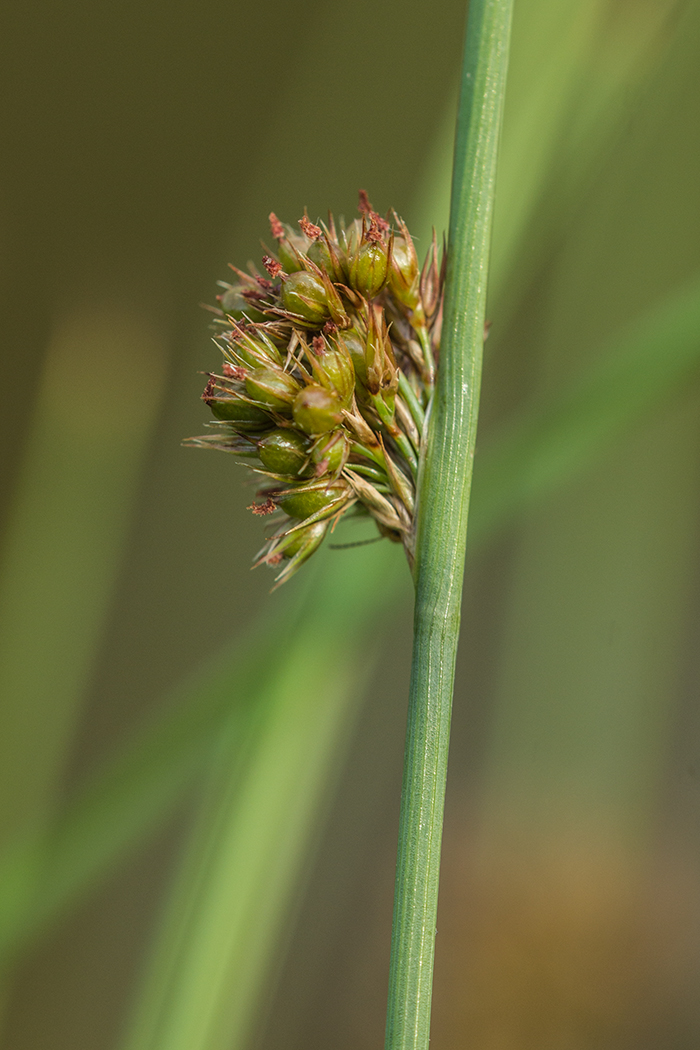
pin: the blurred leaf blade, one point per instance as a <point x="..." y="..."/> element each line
<point x="45" y="868"/>
<point x="548" y="443"/>
<point x="255" y="828"/>
<point x="578" y="73"/>
<point x="93" y="414"/>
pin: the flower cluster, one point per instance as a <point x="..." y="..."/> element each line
<point x="328" y="368"/>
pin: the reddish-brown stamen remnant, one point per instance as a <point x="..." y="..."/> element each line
<point x="312" y="232"/>
<point x="268" y="507"/>
<point x="364" y="206"/>
<point x="373" y="234"/>
<point x="377" y="225"/>
<point x="276" y="227"/>
<point x="234" y="371"/>
<point x="272" y="267"/>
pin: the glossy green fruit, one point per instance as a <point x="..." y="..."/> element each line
<point x="354" y="344"/>
<point x="336" y="373"/>
<point x="317" y="410"/>
<point x="305" y="541"/>
<point x="274" y="389"/>
<point x="235" y="305"/>
<point x="368" y="269"/>
<point x="302" y="503"/>
<point x="289" y="248"/>
<point x="250" y="417"/>
<point x="331" y="451"/>
<point x="404" y="273"/>
<point x="303" y="294"/>
<point x="255" y="350"/>
<point x="285" y="452"/>
<point x="327" y="259"/>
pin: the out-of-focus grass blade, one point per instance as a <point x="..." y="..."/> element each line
<point x="223" y="919"/>
<point x="90" y="419"/>
<point x="538" y="451"/>
<point x="44" y="869"/>
<point x="577" y="72"/>
<point x="548" y="443"/>
<point x="551" y="59"/>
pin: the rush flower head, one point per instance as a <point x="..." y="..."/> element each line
<point x="328" y="369"/>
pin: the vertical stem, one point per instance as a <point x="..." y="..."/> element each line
<point x="442" y="525"/>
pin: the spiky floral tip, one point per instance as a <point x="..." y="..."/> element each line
<point x="328" y="368"/>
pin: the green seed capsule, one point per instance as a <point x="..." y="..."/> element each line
<point x="354" y="344"/>
<point x="243" y="354"/>
<point x="290" y="247"/>
<point x="284" y="452"/>
<point x="404" y="274"/>
<point x="336" y="373"/>
<point x="317" y="410"/>
<point x="248" y="417"/>
<point x="235" y="305"/>
<point x="350" y="238"/>
<point x="328" y="259"/>
<point x="305" y="540"/>
<point x="273" y="389"/>
<point x="304" y="294"/>
<point x="369" y="268"/>
<point x="330" y="452"/>
<point x="255" y="350"/>
<point x="302" y="503"/>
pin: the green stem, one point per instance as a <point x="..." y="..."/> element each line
<point x="405" y="448"/>
<point x="426" y="347"/>
<point x="442" y="526"/>
<point x="414" y="405"/>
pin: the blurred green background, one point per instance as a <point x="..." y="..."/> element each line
<point x="227" y="882"/>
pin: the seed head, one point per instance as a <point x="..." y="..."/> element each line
<point x="310" y="393"/>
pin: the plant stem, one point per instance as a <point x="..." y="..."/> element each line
<point x="442" y="525"/>
<point x="414" y="405"/>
